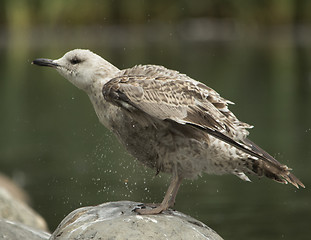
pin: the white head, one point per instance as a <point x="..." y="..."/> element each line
<point x="81" y="67"/>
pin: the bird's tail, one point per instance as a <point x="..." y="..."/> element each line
<point x="262" y="163"/>
<point x="268" y="166"/>
<point x="277" y="172"/>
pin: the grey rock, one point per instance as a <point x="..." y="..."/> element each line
<point x="17" y="231"/>
<point x="117" y="220"/>
<point x="13" y="188"/>
<point x="17" y="211"/>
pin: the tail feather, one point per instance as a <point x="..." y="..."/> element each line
<point x="277" y="172"/>
<point x="291" y="178"/>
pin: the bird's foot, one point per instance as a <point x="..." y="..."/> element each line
<point x="150" y="208"/>
<point x="168" y="201"/>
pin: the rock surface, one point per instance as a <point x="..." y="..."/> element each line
<point x="16" y="211"/>
<point x="15" y="191"/>
<point x="116" y="220"/>
<point x="16" y="231"/>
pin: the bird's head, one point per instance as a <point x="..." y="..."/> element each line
<point x="81" y="67"/>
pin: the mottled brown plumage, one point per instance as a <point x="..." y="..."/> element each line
<point x="170" y="96"/>
<point x="169" y="121"/>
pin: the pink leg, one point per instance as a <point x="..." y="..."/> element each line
<point x="169" y="198"/>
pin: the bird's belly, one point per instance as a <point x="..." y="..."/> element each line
<point x="166" y="152"/>
<point x="190" y="158"/>
<point x="139" y="141"/>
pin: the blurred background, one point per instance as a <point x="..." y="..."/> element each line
<point x="255" y="53"/>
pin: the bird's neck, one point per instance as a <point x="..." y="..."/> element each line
<point x="105" y="111"/>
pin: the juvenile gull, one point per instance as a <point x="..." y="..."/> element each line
<point x="168" y="121"/>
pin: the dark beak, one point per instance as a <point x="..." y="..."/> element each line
<point x="45" y="62"/>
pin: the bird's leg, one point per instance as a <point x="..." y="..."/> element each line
<point x="175" y="190"/>
<point x="169" y="198"/>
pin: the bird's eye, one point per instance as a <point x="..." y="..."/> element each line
<point x="75" y="60"/>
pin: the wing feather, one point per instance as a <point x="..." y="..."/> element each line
<point x="176" y="97"/>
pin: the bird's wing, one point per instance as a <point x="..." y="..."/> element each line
<point x="174" y="96"/>
<point x="168" y="95"/>
<point x="184" y="102"/>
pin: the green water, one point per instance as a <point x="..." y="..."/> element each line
<point x="52" y="143"/>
